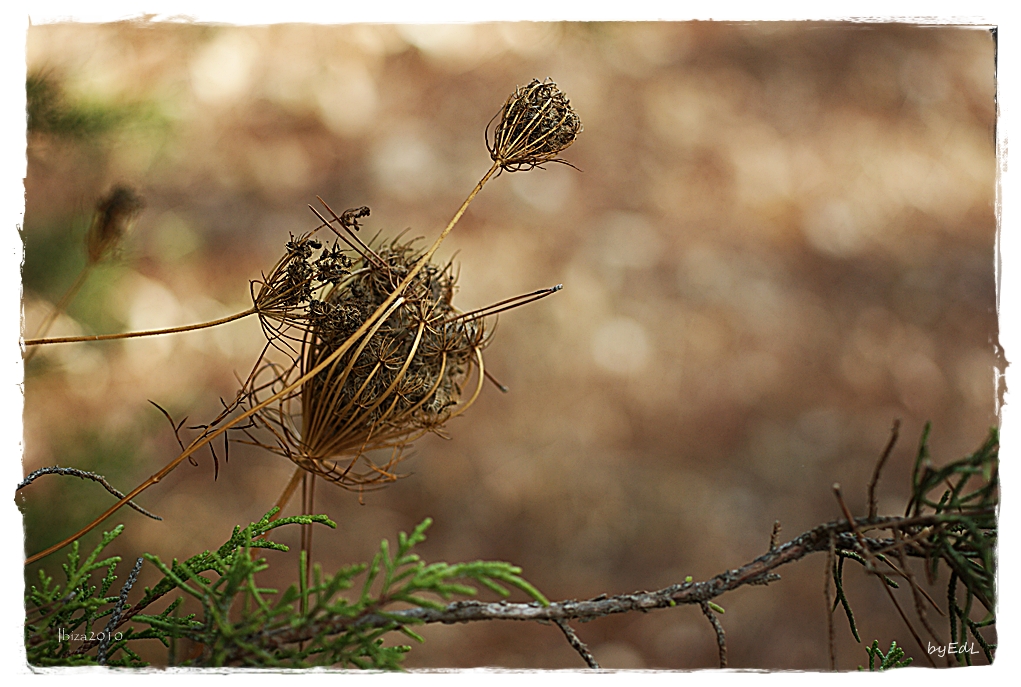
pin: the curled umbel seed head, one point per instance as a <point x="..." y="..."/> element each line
<point x="114" y="214"/>
<point x="533" y="127"/>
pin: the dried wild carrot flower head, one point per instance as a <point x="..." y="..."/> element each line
<point x="284" y="299"/>
<point x="110" y="222"/>
<point x="535" y="125"/>
<point x="403" y="379"/>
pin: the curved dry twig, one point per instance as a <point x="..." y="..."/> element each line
<point x="74" y="472"/>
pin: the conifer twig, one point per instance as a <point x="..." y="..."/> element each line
<point x="577" y="644"/>
<point x="873" y="568"/>
<point x="759" y="571"/>
<point x="75" y="472"/>
<point x="721" y="637"/>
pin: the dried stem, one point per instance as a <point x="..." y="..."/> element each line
<point x="113" y="216"/>
<point x="148" y="332"/>
<point x="59" y="308"/>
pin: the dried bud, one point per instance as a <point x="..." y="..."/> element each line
<point x="535" y="125"/>
<point x="113" y="216"/>
<point x="349" y="218"/>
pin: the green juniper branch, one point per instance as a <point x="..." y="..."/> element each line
<point x="242" y="624"/>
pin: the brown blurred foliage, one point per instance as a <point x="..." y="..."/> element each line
<point x="781" y="239"/>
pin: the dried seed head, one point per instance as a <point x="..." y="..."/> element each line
<point x="111" y="221"/>
<point x="535" y="125"/>
<point x="400" y="380"/>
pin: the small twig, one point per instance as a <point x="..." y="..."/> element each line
<point x="827" y="578"/>
<point x="775" y="536"/>
<point x="875" y="569"/>
<point x="347" y="222"/>
<point x="721" y="637"/>
<point x="57" y="470"/>
<point x="577" y="644"/>
<point x="117" y="610"/>
<point x="894" y="433"/>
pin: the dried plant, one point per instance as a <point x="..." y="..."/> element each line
<point x="382" y="359"/>
<point x="403" y="380"/>
<point x="535" y="125"/>
<point x="111" y="220"/>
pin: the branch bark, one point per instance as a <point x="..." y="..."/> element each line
<point x="845" y="535"/>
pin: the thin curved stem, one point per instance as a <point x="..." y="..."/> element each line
<point x="148" y="332"/>
<point x="201" y="441"/>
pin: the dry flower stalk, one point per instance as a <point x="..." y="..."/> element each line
<point x="535" y="125"/>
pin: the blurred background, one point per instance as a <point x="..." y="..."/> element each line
<point x="780" y="240"/>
